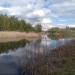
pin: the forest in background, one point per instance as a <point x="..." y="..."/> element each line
<point x="14" y="24"/>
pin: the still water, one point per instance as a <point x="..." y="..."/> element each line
<point x="14" y="55"/>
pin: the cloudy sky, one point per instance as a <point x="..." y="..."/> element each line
<point x="41" y="11"/>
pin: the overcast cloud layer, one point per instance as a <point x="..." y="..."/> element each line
<point x="41" y="11"/>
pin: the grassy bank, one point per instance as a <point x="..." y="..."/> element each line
<point x="57" y="33"/>
<point x="6" y="36"/>
<point x="59" y="61"/>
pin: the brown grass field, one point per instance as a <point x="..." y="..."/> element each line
<point x="6" y="36"/>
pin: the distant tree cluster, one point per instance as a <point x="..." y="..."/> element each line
<point x="14" y="24"/>
<point x="38" y="28"/>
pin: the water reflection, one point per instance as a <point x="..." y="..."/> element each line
<point x="22" y="52"/>
<point x="51" y="44"/>
<point x="4" y="47"/>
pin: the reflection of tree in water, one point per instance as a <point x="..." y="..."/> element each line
<point x="12" y="45"/>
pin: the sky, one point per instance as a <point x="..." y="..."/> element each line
<point x="55" y="12"/>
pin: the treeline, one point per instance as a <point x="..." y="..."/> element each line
<point x="57" y="33"/>
<point x="14" y="24"/>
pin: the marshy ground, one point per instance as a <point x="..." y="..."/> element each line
<point x="60" y="61"/>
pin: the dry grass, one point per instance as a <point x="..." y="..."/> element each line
<point x="6" y="36"/>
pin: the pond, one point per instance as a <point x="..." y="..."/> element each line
<point x="14" y="55"/>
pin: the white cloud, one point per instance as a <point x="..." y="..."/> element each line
<point x="46" y="20"/>
<point x="14" y="11"/>
<point x="64" y="9"/>
<point x="29" y="10"/>
<point x="40" y="10"/>
<point x="39" y="13"/>
<point x="71" y="25"/>
<point x="10" y="11"/>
